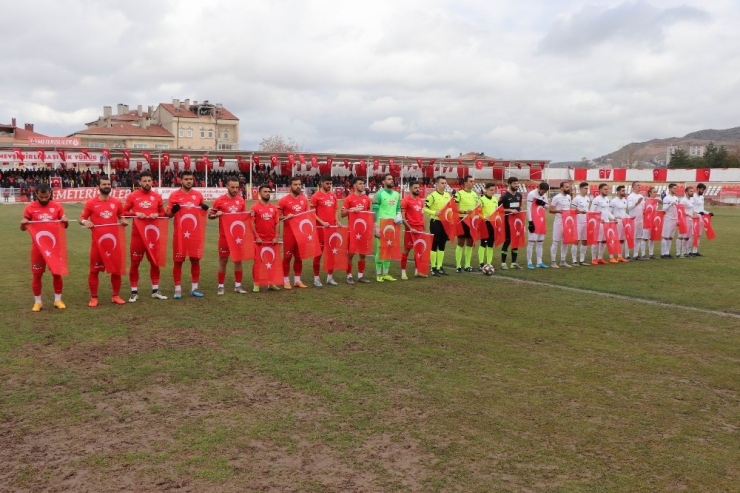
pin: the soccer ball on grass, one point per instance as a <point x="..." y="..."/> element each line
<point x="488" y="270"/>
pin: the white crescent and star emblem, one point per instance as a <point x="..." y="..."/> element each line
<point x="393" y="229"/>
<point x="337" y="235"/>
<point x="364" y="226"/>
<point x="111" y="237"/>
<point x="262" y="256"/>
<point x="473" y="222"/>
<point x="42" y="234"/>
<point x="569" y="218"/>
<point x="153" y="228"/>
<point x="300" y="228"/>
<point x="192" y="218"/>
<point x="244" y="230"/>
<point x="520" y="228"/>
<point x="423" y="244"/>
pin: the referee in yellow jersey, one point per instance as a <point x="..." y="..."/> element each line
<point x="467" y="200"/>
<point x="434" y="203"/>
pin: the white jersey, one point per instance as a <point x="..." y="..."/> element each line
<point x="561" y="203"/>
<point x="688" y="204"/>
<point x="636" y="210"/>
<point x="601" y="204"/>
<point x="698" y="201"/>
<point x="618" y="207"/>
<point x="582" y="204"/>
<point x="531" y="196"/>
<point x="669" y="206"/>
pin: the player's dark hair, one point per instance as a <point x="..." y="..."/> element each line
<point x="671" y="185"/>
<point x="563" y="183"/>
<point x="103" y="177"/>
<point x="701" y="186"/>
<point x="144" y="174"/>
<point x="358" y="179"/>
<point x="583" y="184"/>
<point x="294" y="179"/>
<point x="467" y="177"/>
<point x="440" y="177"/>
<point x="620" y="188"/>
<point x="602" y="185"/>
<point x="232" y="178"/>
<point x="186" y="172"/>
<point x="261" y="187"/>
<point x="512" y="179"/>
<point x="325" y="178"/>
<point x="544" y="186"/>
<point x="412" y="183"/>
<point x="633" y="183"/>
<point x="386" y="175"/>
<point x="489" y="185"/>
<point x="651" y="189"/>
<point x="43" y="188"/>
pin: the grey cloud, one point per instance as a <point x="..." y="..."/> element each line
<point x="635" y="22"/>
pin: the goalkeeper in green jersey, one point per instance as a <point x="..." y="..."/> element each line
<point x="386" y="205"/>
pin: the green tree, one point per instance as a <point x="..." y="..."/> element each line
<point x="716" y="157"/>
<point x="679" y="159"/>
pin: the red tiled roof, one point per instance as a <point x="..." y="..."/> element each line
<point x="221" y="113"/>
<point x="127" y="129"/>
<point x="131" y="116"/>
<point x="470" y="156"/>
<point x="22" y="133"/>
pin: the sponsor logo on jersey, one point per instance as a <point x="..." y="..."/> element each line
<point x="145" y="204"/>
<point x="106" y="214"/>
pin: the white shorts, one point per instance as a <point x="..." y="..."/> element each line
<point x="557" y="229"/>
<point x="582" y="230"/>
<point x="689" y="229"/>
<point x="669" y="228"/>
<point x="620" y="231"/>
<point x="602" y="238"/>
<point x="647" y="234"/>
<point x="638" y="228"/>
<point x="535" y="237"/>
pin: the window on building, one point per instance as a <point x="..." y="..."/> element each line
<point x="141" y="146"/>
<point x="97" y="145"/>
<point x="161" y="146"/>
<point x="226" y="147"/>
<point x="118" y="145"/>
<point x="210" y="133"/>
<point x="226" y="134"/>
<point x="202" y="133"/>
<point x="181" y="132"/>
<point x="190" y="132"/>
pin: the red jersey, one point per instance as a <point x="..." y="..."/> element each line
<point x="102" y="211"/>
<point x="226" y="205"/>
<point x="266" y="217"/>
<point x="325" y="204"/>
<point x="143" y="202"/>
<point x="191" y="199"/>
<point x="412" y="210"/>
<point x="52" y="211"/>
<point x="353" y="200"/>
<point x="291" y="205"/>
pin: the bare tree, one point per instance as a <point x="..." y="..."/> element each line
<point x="277" y="143"/>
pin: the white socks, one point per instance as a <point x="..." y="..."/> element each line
<point x="539" y="252"/>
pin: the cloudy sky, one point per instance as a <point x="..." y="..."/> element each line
<point x="551" y="79"/>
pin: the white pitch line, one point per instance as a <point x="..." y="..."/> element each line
<point x="662" y="304"/>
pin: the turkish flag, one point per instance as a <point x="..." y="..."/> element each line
<point x="593" y="225"/>
<point x="268" y="269"/>
<point x="191" y="232"/>
<point x="166" y="159"/>
<point x="708" y="229"/>
<point x="361" y="232"/>
<point x="422" y="247"/>
<point x="154" y="234"/>
<point x="516" y="227"/>
<point x="656" y="232"/>
<point x="186" y="161"/>
<point x="628" y="226"/>
<point x="19" y="154"/>
<point x="303" y="226"/>
<point x="62" y="155"/>
<point x="390" y="240"/>
<point x="611" y="233"/>
<point x="570" y="226"/>
<point x="111" y="242"/>
<point x="497" y="221"/>
<point x="127" y="156"/>
<point x="106" y="153"/>
<point x="683" y="227"/>
<point x="660" y="174"/>
<point x="450" y="217"/>
<point x="42" y="155"/>
<point x="697" y="231"/>
<point x="476" y="224"/>
<point x="147" y="156"/>
<point x="648" y="214"/>
<point x="703" y="174"/>
<point x="336" y="248"/>
<point x="50" y="238"/>
<point x="538" y="218"/>
<point x="237" y="228"/>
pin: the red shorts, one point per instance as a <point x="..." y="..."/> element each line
<point x="290" y="245"/>
<point x="96" y="260"/>
<point x="408" y="240"/>
<point x="38" y="262"/>
<point x="138" y="249"/>
<point x="223" y="247"/>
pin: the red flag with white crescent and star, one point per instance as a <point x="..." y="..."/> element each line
<point x="390" y="240"/>
<point x="111" y="242"/>
<point x="697" y="231"/>
<point x="628" y="226"/>
<point x="303" y="226"/>
<point x="593" y="227"/>
<point x="656" y="228"/>
<point x="237" y="228"/>
<point x="154" y="233"/>
<point x="450" y="217"/>
<point x="268" y="268"/>
<point x="538" y="218"/>
<point x="611" y="234"/>
<point x="361" y="232"/>
<point x="516" y="227"/>
<point x="648" y="214"/>
<point x="570" y="226"/>
<point x="683" y="226"/>
<point x="422" y="247"/>
<point x="50" y="238"/>
<point x="477" y="225"/>
<point x="708" y="229"/>
<point x="190" y="233"/>
<point x="336" y="247"/>
<point x="499" y="229"/>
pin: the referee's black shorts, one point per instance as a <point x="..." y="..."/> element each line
<point x="466" y="232"/>
<point x="440" y="235"/>
<point x="488" y="242"/>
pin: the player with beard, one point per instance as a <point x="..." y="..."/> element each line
<point x="292" y="203"/>
<point x="511" y="200"/>
<point x="228" y="203"/>
<point x="698" y="200"/>
<point x="560" y="202"/>
<point x="684" y="242"/>
<point x="43" y="209"/>
<point x="601" y="204"/>
<point x="647" y="231"/>
<point x="433" y="204"/>
<point x="143" y="203"/>
<point x="489" y="204"/>
<point x="324" y="202"/>
<point x="581" y="203"/>
<point x="618" y="208"/>
<point x="386" y="205"/>
<point x="536" y="241"/>
<point x="99" y="211"/>
<point x="266" y="218"/>
<point x="412" y="211"/>
<point x="636" y="206"/>
<point x="357" y="201"/>
<point x="670" y="221"/>
<point x="185" y="197"/>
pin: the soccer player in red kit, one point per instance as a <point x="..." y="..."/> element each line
<point x="185" y="197"/>
<point x="293" y="203"/>
<point x="43" y="209"/>
<point x="143" y="203"/>
<point x="325" y="203"/>
<point x="228" y="203"/>
<point x="355" y="202"/>
<point x="412" y="211"/>
<point x="99" y="211"/>
<point x="266" y="218"/>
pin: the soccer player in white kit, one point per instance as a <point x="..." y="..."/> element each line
<point x="636" y="206"/>
<point x="581" y="203"/>
<point x="618" y="208"/>
<point x="559" y="203"/>
<point x="670" y="201"/>
<point x="698" y="200"/>
<point x="539" y="197"/>
<point x="600" y="204"/>
<point x="684" y="242"/>
<point x="647" y="231"/>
